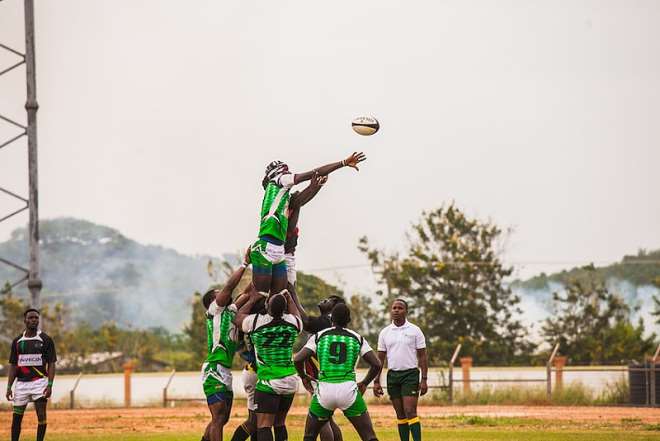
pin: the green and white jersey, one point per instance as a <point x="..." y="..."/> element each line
<point x="273" y="341"/>
<point x="338" y="351"/>
<point x="275" y="207"/>
<point x="219" y="332"/>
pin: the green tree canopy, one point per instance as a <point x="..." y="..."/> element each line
<point x="454" y="279"/>
<point x="593" y="325"/>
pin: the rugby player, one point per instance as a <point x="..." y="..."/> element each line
<point x="404" y="346"/>
<point x="221" y="340"/>
<point x="268" y="265"/>
<point x="32" y="364"/>
<point x="273" y="334"/>
<point x="338" y="350"/>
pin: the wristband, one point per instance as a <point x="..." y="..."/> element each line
<point x="244" y="265"/>
<point x="50" y="383"/>
<point x="425" y="378"/>
<point x="343" y="163"/>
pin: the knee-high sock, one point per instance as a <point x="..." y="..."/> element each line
<point x="41" y="430"/>
<point x="240" y="434"/>
<point x="280" y="433"/>
<point x="404" y="429"/>
<point x="264" y="434"/>
<point x="415" y="429"/>
<point x="16" y="421"/>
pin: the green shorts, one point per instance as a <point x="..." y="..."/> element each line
<point x="216" y="379"/>
<point x="403" y="383"/>
<point x="331" y="396"/>
<point x="268" y="258"/>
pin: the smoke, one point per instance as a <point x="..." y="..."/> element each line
<point x="103" y="276"/>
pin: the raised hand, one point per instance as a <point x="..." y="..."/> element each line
<point x="353" y="160"/>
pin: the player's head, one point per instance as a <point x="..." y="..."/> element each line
<point x="399" y="309"/>
<point x="31" y="319"/>
<point x="327" y="305"/>
<point x="272" y="170"/>
<point x="209" y="297"/>
<point x="341" y="315"/>
<point x="276" y="305"/>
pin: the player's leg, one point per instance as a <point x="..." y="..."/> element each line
<point x="394" y="391"/>
<point x="317" y="418"/>
<point x="248" y="429"/>
<point x="219" y="411"/>
<point x="279" y="277"/>
<point x="262" y="266"/>
<point x="357" y="414"/>
<point x="40" y="408"/>
<point x="267" y="405"/>
<point x="279" y="425"/>
<point x="409" y="397"/>
<point x="336" y="431"/>
<point x="364" y="427"/>
<point x="17" y="420"/>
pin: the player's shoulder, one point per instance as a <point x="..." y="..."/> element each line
<point x="45" y="337"/>
<point x="18" y="337"/>
<point x="292" y="319"/>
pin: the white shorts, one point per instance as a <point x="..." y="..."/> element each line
<point x="249" y="383"/>
<point x="290" y="260"/>
<point x="336" y="395"/>
<point x="283" y="386"/>
<point x="27" y="391"/>
<point x="269" y="251"/>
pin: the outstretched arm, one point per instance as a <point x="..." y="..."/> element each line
<point x="299" y="361"/>
<point x="378" y="389"/>
<point x="352" y="161"/>
<point x="301" y="310"/>
<point x="223" y="296"/>
<point x="299" y="199"/>
<point x="244" y="311"/>
<point x="374" y="370"/>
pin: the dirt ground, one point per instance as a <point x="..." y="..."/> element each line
<point x="194" y="418"/>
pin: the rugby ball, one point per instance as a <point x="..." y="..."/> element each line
<point x="365" y="125"/>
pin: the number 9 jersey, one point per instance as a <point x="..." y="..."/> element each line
<point x="338" y="351"/>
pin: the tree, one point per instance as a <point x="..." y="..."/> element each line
<point x="365" y="319"/>
<point x="11" y="319"/>
<point x="656" y="310"/>
<point x="311" y="290"/>
<point x="196" y="329"/>
<point x="454" y="279"/>
<point x="593" y="325"/>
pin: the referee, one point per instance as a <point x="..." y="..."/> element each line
<point x="404" y="346"/>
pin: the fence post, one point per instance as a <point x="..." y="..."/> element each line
<point x="128" y="370"/>
<point x="169" y="380"/>
<point x="654" y="398"/>
<point x="72" y="392"/>
<point x="559" y="363"/>
<point x="548" y="372"/>
<point x="451" y="373"/>
<point x="466" y="364"/>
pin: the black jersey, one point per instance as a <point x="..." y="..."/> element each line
<point x="31" y="356"/>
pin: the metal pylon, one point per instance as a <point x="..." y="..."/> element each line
<point x="31" y="274"/>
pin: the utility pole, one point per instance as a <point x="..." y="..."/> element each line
<point x="32" y="203"/>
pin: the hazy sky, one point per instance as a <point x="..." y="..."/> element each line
<point x="158" y="117"/>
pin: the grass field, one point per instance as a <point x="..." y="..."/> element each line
<point x="442" y="423"/>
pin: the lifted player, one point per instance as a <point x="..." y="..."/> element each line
<point x="216" y="371"/>
<point x="273" y="334"/>
<point x="338" y="350"/>
<point x="268" y="265"/>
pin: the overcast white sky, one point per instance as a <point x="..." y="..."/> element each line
<point x="158" y="117"/>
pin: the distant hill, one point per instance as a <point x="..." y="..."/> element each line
<point x="102" y="275"/>
<point x="638" y="270"/>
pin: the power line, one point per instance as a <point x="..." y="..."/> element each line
<point x="514" y="263"/>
